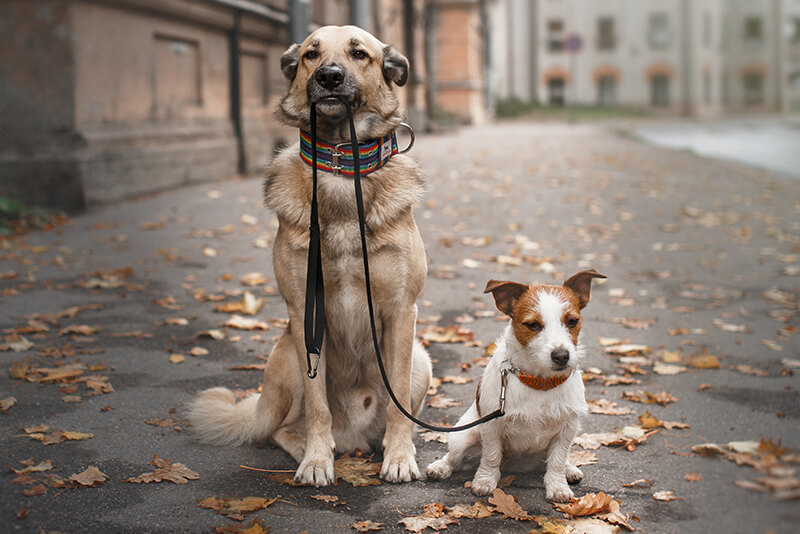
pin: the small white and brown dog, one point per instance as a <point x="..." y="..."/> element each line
<point x="537" y="358"/>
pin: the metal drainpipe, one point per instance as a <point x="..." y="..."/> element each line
<point x="235" y="88"/>
<point x="430" y="57"/>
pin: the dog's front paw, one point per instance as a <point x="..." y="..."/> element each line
<point x="574" y="474"/>
<point x="483" y="485"/>
<point x="439" y="470"/>
<point x="556" y="489"/>
<point x="317" y="471"/>
<point x="400" y="465"/>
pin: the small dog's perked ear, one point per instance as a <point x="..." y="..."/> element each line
<point x="505" y="294"/>
<point x="581" y="285"/>
<point x="289" y="61"/>
<point x="395" y="66"/>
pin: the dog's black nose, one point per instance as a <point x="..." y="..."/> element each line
<point x="330" y="76"/>
<point x="560" y="356"/>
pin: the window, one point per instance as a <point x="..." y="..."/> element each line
<point x="555" y="91"/>
<point x="605" y="33"/>
<point x="606" y="91"/>
<point x="555" y="35"/>
<point x="753" y="29"/>
<point x="176" y="73"/>
<point x="753" y="89"/>
<point x="658" y="30"/>
<point x="659" y="90"/>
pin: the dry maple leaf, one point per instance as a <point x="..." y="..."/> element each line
<point x="508" y="506"/>
<point x="589" y="504"/>
<point x="30" y="467"/>
<point x="256" y="526"/>
<point x="356" y="471"/>
<point x="693" y="477"/>
<point x="367" y="526"/>
<point x="648" y="420"/>
<point x="665" y="496"/>
<point x="579" y="458"/>
<point x="594" y="441"/>
<point x="91" y="476"/>
<point x="243" y="323"/>
<point x="615" y="516"/>
<point x="166" y="470"/>
<point x="236" y="508"/>
<point x="640" y="483"/>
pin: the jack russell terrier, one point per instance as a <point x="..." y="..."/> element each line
<point x="536" y="360"/>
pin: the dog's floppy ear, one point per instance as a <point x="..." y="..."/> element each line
<point x="505" y="294"/>
<point x="289" y="61"/>
<point x="395" y="66"/>
<point x="581" y="285"/>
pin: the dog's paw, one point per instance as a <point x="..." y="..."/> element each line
<point x="574" y="474"/>
<point x="556" y="489"/>
<point x="439" y="470"/>
<point x="399" y="466"/>
<point x="483" y="486"/>
<point x="315" y="471"/>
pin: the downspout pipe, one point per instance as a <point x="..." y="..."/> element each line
<point x="234" y="46"/>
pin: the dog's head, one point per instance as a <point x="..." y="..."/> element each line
<point x="347" y="61"/>
<point x="546" y="320"/>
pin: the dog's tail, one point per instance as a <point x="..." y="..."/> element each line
<point x="218" y="419"/>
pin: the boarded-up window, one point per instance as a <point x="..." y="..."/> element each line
<point x="254" y="79"/>
<point x="177" y="72"/>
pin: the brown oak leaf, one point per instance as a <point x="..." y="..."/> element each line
<point x="91" y="476"/>
<point x="166" y="470"/>
<point x="508" y="506"/>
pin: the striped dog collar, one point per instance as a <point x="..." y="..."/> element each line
<point x="338" y="158"/>
<point x="542" y="383"/>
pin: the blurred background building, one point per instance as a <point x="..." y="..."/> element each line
<point x="102" y="100"/>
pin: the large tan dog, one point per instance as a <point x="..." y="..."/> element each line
<point x="346" y="406"/>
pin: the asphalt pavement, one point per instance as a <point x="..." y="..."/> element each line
<point x="700" y="306"/>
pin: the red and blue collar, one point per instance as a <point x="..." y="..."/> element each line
<point x="338" y="158"/>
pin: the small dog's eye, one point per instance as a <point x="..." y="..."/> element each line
<point x="572" y="323"/>
<point x="311" y="54"/>
<point x="359" y="54"/>
<point x="534" y="326"/>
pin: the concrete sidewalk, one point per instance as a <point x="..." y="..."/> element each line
<point x="701" y="258"/>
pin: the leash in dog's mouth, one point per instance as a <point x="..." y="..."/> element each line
<point x="314" y="319"/>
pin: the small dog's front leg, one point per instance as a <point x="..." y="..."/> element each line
<point x="399" y="456"/>
<point x="555" y="478"/>
<point x="488" y="473"/>
<point x="317" y="465"/>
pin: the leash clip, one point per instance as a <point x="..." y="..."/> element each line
<point x="312" y="371"/>
<point x="336" y="154"/>
<point x="503" y="374"/>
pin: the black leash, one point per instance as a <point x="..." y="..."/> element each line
<point x="315" y="287"/>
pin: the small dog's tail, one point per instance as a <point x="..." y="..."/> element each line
<point x="218" y="419"/>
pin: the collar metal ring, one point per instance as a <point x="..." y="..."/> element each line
<point x="411" y="133"/>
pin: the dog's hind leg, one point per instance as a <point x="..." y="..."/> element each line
<point x="290" y="441"/>
<point x="460" y="446"/>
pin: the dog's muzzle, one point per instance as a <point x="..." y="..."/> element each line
<point x="326" y="87"/>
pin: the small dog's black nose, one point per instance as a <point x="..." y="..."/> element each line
<point x="560" y="356"/>
<point x="330" y="76"/>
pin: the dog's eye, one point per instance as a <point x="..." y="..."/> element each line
<point x="359" y="54"/>
<point x="311" y="54"/>
<point x="572" y="323"/>
<point x="534" y="326"/>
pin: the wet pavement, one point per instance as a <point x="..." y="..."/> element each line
<point x="701" y="257"/>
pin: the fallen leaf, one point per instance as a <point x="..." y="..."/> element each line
<point x="645" y="397"/>
<point x="7" y="403"/>
<point x="704" y="361"/>
<point x="615" y="516"/>
<point x="325" y="498"/>
<point x="166" y="470"/>
<point x="176" y="358"/>
<point x="356" y="471"/>
<point x="772" y="345"/>
<point x="442" y="402"/>
<point x="58" y="436"/>
<point x="198" y="351"/>
<point x="15" y="343"/>
<point x="667" y="369"/>
<point x="90" y="477"/>
<point x="446" y="334"/>
<point x="508" y="506"/>
<point x="579" y="458"/>
<point x="82" y="329"/>
<point x="367" y="526"/>
<point x="430" y="435"/>
<point x="628" y="349"/>
<point x="39" y="489"/>
<point x="665" y="496"/>
<point x="640" y="483"/>
<point x="421" y="522"/>
<point x="213" y="334"/>
<point x="236" y="508"/>
<point x="460" y="379"/>
<point x="634" y="323"/>
<point x="749" y="370"/>
<point x="243" y="323"/>
<point x="478" y="510"/>
<point x="693" y="477"/>
<point x="589" y="504"/>
<point x="256" y="526"/>
<point x="253" y="279"/>
<point x="729" y="327"/>
<point x="648" y="420"/>
<point x="248" y="305"/>
<point x="606" y="407"/>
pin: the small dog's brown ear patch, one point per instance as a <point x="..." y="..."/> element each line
<point x="581" y="285"/>
<point x="505" y="294"/>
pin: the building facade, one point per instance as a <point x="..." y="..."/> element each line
<point x="102" y="100"/>
<point x="692" y="57"/>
